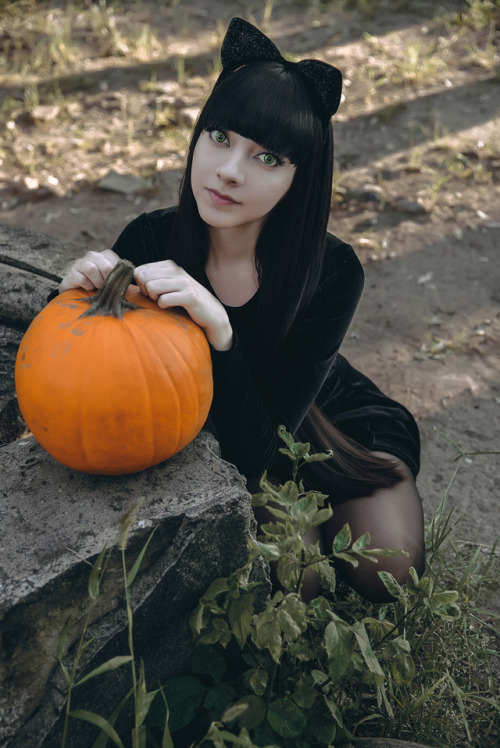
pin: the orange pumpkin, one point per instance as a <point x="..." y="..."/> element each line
<point x="109" y="383"/>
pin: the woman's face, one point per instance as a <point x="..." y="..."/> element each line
<point x="235" y="181"/>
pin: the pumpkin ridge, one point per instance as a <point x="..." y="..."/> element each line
<point x="173" y="390"/>
<point x="86" y="385"/>
<point x="194" y="390"/>
<point x="140" y="341"/>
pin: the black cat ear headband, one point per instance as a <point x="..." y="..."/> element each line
<point x="244" y="43"/>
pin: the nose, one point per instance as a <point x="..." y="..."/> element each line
<point x="231" y="169"/>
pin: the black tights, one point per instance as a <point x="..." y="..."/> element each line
<point x="393" y="517"/>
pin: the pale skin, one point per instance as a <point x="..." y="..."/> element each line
<point x="236" y="183"/>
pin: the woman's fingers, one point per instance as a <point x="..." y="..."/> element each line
<point x="90" y="271"/>
<point x="158" y="278"/>
<point x="169" y="285"/>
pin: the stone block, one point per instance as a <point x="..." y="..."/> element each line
<point x="55" y="521"/>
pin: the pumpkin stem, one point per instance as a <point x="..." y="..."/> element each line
<point x="110" y="299"/>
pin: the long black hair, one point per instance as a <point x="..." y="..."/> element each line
<point x="270" y="104"/>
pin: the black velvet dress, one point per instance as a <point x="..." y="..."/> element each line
<point x="256" y="390"/>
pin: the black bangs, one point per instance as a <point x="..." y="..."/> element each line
<point x="266" y="103"/>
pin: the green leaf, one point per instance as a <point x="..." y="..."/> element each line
<point x="337" y="716"/>
<point x="235" y="711"/>
<point x="304" y="694"/>
<point x="342" y="539"/>
<point x="257" y="679"/>
<point x="361" y="543"/>
<point x="391" y="585"/>
<point x="218" y="698"/>
<point x="338" y="645"/>
<point x="471" y="567"/>
<point x="268" y="633"/>
<point x="288" y="572"/>
<point x="442" y="604"/>
<point x="291" y="629"/>
<point x="278" y="513"/>
<point x="402" y="668"/>
<point x="377" y="628"/>
<point x="167" y="741"/>
<point x="102" y="739"/>
<point x="443" y="599"/>
<point x="240" y="614"/>
<point x="304" y="505"/>
<point x="95" y="575"/>
<point x="289" y="493"/>
<point x="259" y="499"/>
<point x="327" y="576"/>
<point x="98" y="721"/>
<point x="319" y="677"/>
<point x="184" y="695"/>
<point x="319" y="608"/>
<point x="65" y="671"/>
<point x="319" y="457"/>
<point x="286" y="718"/>
<point x="427" y="694"/>
<point x="254" y="715"/>
<point x="459" y="697"/>
<point x="322" y="729"/>
<point x="348" y="558"/>
<point x="269" y="489"/>
<point x="106" y="667"/>
<point x="206" y="660"/>
<point x="268" y="551"/>
<point x="135" y="568"/>
<point x="285" y="436"/>
<point x="219" y="633"/>
<point x="126" y="522"/>
<point x="217" y="587"/>
<point x="61" y="643"/>
<point x="321" y="516"/>
<point x="384" y="552"/>
<point x="249" y="659"/>
<point x="143" y="697"/>
<point x="363" y="640"/>
<point x="198" y="619"/>
<point x="292" y="616"/>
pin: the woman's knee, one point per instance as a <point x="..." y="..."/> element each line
<point x="394" y="519"/>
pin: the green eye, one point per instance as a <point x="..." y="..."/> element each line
<point x="269" y="159"/>
<point x="219" y="136"/>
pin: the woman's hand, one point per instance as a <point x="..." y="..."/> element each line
<point x="90" y="271"/>
<point x="169" y="285"/>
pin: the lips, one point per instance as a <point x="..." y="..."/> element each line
<point x="220" y="198"/>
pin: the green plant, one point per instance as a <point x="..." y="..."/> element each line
<point x="477" y="14"/>
<point x="294" y="674"/>
<point x="141" y="697"/>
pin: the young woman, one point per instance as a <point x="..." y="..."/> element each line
<point x="247" y="254"/>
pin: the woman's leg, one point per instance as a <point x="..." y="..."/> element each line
<point x="394" y="518"/>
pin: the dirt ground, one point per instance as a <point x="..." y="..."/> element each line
<point x="417" y="188"/>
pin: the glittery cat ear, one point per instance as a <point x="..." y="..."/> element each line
<point x="244" y="43"/>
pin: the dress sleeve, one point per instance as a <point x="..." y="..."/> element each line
<point x="145" y="238"/>
<point x="255" y="392"/>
